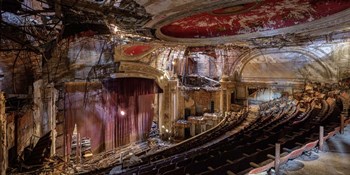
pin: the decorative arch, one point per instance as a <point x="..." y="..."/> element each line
<point x="140" y="70"/>
<point x="247" y="57"/>
<point x="137" y="70"/>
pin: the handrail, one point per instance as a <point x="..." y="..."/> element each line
<point x="296" y="153"/>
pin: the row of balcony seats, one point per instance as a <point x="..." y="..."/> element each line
<point x="231" y="120"/>
<point x="284" y="123"/>
<point x="297" y="137"/>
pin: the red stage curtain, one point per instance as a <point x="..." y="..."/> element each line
<point x="135" y="97"/>
<point x="99" y="115"/>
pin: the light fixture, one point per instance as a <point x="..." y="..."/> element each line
<point x="166" y="130"/>
<point x="122" y="113"/>
<point x="114" y="75"/>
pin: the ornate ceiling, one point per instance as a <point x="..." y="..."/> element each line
<point x="252" y="17"/>
<point x="227" y="21"/>
<point x="31" y="29"/>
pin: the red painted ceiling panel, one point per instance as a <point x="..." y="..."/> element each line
<point x="137" y="50"/>
<point x="253" y="17"/>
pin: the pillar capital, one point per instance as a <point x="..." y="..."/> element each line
<point x="173" y="85"/>
<point x="224" y="78"/>
<point x="173" y="102"/>
<point x="224" y="82"/>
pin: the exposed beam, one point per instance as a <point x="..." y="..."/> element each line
<point x="24" y="43"/>
<point x="13" y="49"/>
<point x="35" y="12"/>
<point x="24" y="31"/>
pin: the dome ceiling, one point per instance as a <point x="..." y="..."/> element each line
<point x="248" y="17"/>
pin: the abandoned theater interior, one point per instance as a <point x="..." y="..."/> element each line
<point x="174" y="86"/>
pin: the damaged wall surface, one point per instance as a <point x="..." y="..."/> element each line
<point x="187" y="57"/>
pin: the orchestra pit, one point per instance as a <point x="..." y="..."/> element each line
<point x="174" y="87"/>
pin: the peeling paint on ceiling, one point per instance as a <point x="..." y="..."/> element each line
<point x="253" y="17"/>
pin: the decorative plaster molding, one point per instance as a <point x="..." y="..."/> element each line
<point x="190" y="9"/>
<point x="325" y="23"/>
<point x="130" y="69"/>
<point x="244" y="59"/>
<point x="120" y="55"/>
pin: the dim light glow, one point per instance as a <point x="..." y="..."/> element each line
<point x="116" y="29"/>
<point x="122" y="113"/>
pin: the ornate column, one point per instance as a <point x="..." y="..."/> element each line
<point x="164" y="109"/>
<point x="173" y="83"/>
<point x="223" y="94"/>
<point x="38" y="108"/>
<point x="222" y="97"/>
<point x="228" y="96"/>
<point x="51" y="111"/>
<point x="161" y="114"/>
<point x="193" y="129"/>
<point x="3" y="139"/>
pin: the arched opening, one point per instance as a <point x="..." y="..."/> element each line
<point x="116" y="113"/>
<point x="277" y="67"/>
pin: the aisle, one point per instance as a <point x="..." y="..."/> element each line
<point x="335" y="160"/>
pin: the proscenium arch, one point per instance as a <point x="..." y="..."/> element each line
<point x="247" y="57"/>
<point x="138" y="70"/>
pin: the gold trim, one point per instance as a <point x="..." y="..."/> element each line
<point x="235" y="12"/>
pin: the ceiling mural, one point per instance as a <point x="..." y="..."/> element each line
<point x="252" y="17"/>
